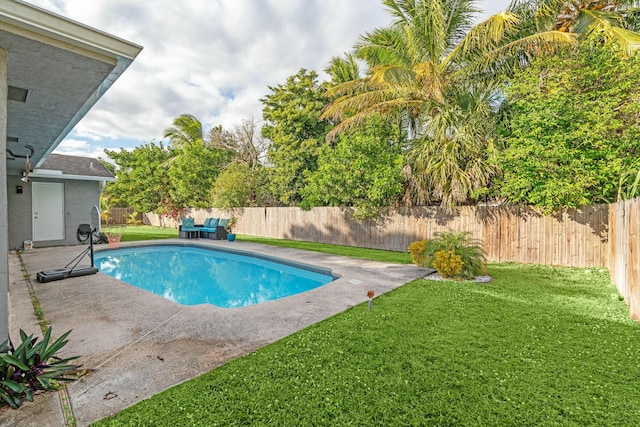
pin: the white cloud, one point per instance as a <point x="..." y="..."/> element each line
<point x="212" y="59"/>
<point x="75" y="147"/>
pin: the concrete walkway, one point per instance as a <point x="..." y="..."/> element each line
<point x="136" y="344"/>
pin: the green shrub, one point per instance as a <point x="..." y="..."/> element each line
<point x="416" y="250"/>
<point x="31" y="367"/>
<point x="469" y="250"/>
<point x="447" y="263"/>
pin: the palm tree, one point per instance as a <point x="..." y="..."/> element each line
<point x="436" y="73"/>
<point x="185" y="130"/>
<point x="344" y="69"/>
<point x="193" y="164"/>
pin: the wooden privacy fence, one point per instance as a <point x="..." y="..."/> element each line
<point x="576" y="238"/>
<point x="593" y="236"/>
<point x="120" y="216"/>
<point x="624" y="255"/>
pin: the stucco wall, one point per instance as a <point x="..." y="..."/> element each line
<point x="79" y="198"/>
<point x="19" y="207"/>
<point x="4" y="226"/>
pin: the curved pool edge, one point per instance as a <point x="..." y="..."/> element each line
<point x="213" y="247"/>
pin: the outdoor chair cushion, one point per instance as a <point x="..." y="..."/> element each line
<point x="210" y="223"/>
<point x="187" y="223"/>
<point x="223" y="222"/>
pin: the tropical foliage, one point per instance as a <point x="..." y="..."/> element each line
<point x="32" y="366"/>
<point x="239" y="186"/>
<point x="435" y="73"/>
<point x="573" y="138"/>
<point x="362" y="170"/>
<point x="153" y="177"/>
<point x="433" y="109"/>
<point x="446" y="244"/>
<point x="293" y="125"/>
<point x="142" y="179"/>
<point x="612" y="22"/>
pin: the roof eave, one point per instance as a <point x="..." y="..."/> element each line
<point x="47" y="24"/>
<point x="122" y="64"/>
<point x="38" y="24"/>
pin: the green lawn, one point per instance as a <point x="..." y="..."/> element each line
<point x="537" y="346"/>
<point x="142" y="232"/>
<point x="147" y="232"/>
<point x="371" y="254"/>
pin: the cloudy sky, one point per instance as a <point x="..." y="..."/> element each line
<point x="211" y="58"/>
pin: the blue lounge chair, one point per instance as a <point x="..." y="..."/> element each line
<point x="188" y="230"/>
<point x="213" y="228"/>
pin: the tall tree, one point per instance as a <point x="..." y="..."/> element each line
<point x="245" y="141"/>
<point x="239" y="186"/>
<point x="142" y="180"/>
<point x="293" y="125"/>
<point x="194" y="165"/>
<point x="573" y="137"/>
<point x="193" y="173"/>
<point x="363" y="170"/>
<point x="434" y="71"/>
<point x="244" y="181"/>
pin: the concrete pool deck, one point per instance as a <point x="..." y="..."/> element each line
<point x="135" y="344"/>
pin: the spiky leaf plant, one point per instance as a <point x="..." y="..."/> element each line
<point x="32" y="366"/>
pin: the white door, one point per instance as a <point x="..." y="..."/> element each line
<point x="48" y="211"/>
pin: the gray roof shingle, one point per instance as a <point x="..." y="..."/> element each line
<point x="74" y="165"/>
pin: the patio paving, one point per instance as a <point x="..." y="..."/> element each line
<point x="135" y="344"/>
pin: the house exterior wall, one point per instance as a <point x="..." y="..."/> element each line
<point x="4" y="260"/>
<point x="79" y="198"/>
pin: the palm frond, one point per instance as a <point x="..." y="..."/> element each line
<point x="400" y="9"/>
<point x="391" y="75"/>
<point x="483" y="37"/>
<point x="459" y="20"/>
<point x="503" y="60"/>
<point x="608" y="26"/>
<point x="186" y="129"/>
<point x="628" y="41"/>
<point x="344" y="69"/>
<point x="382" y="46"/>
<point x="368" y="107"/>
<point x="546" y="13"/>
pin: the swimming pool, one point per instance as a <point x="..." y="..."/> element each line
<point x="192" y="275"/>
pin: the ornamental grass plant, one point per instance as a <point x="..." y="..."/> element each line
<point x="462" y="244"/>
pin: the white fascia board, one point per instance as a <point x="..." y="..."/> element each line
<point x="51" y="174"/>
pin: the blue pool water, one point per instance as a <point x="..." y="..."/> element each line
<point x="191" y="275"/>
